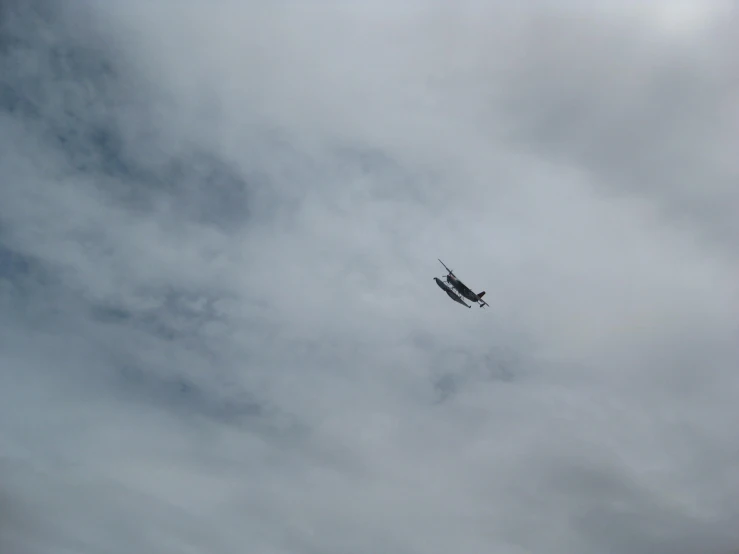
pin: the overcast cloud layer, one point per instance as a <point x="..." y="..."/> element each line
<point x="219" y="223"/>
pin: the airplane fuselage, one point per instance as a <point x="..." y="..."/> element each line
<point x="462" y="289"/>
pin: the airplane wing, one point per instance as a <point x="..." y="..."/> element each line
<point x="445" y="267"/>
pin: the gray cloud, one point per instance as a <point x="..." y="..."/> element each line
<point x="218" y="229"/>
<point x="642" y="113"/>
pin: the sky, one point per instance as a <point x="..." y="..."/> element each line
<point x="219" y="227"/>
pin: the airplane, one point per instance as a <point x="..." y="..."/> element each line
<point x="460" y="289"/>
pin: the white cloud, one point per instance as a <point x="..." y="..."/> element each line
<point x="218" y="236"/>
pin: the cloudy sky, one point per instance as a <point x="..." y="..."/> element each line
<point x="219" y="224"/>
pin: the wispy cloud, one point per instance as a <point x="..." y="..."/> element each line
<point x="218" y="229"/>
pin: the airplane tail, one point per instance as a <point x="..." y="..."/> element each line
<point x="481" y="294"/>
